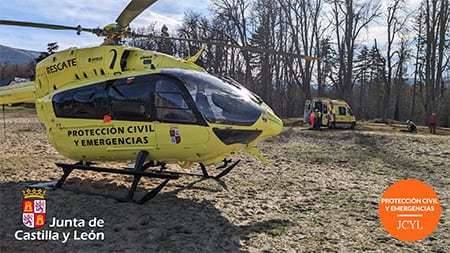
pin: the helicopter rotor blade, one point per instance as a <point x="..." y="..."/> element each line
<point x="228" y="44"/>
<point x="46" y="26"/>
<point x="37" y="25"/>
<point x="133" y="9"/>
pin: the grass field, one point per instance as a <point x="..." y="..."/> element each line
<point x="320" y="195"/>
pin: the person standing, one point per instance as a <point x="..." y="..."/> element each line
<point x="318" y="119"/>
<point x="312" y="119"/>
<point x="432" y="121"/>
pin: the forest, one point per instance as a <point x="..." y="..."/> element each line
<point x="402" y="72"/>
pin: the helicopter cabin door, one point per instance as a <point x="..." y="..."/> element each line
<point x="181" y="131"/>
<point x="105" y="120"/>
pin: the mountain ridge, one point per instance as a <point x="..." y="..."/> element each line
<point x="17" y="56"/>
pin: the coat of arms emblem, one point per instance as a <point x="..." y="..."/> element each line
<point x="175" y="136"/>
<point x="34" y="207"/>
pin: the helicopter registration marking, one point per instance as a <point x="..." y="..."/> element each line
<point x="61" y="66"/>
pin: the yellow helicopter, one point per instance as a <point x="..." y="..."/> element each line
<point x="119" y="103"/>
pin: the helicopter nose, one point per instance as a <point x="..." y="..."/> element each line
<point x="274" y="125"/>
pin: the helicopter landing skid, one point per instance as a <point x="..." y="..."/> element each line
<point x="205" y="174"/>
<point x="138" y="172"/>
<point x="68" y="168"/>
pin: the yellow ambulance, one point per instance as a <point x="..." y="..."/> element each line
<point x="332" y="113"/>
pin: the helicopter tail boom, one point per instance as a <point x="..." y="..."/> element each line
<point x="17" y="93"/>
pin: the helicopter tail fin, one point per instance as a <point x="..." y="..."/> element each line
<point x="17" y="93"/>
<point x="194" y="58"/>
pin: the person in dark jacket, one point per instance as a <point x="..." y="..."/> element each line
<point x="411" y="127"/>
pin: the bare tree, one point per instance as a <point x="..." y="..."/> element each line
<point x="395" y="24"/>
<point x="235" y="13"/>
<point x="191" y="29"/>
<point x="303" y="21"/>
<point x="265" y="20"/>
<point x="436" y="25"/>
<point x="349" y="18"/>
<point x="399" y="83"/>
<point x="143" y="42"/>
<point x="419" y="42"/>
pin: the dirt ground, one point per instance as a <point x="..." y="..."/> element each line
<point x="320" y="195"/>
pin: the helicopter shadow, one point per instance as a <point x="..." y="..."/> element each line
<point x="167" y="223"/>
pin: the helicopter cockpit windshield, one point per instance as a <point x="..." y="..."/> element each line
<point x="221" y="101"/>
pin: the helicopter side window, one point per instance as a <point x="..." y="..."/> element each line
<point x="130" y="99"/>
<point x="63" y="104"/>
<point x="342" y="110"/>
<point x="89" y="102"/>
<point x="170" y="103"/>
<point x="84" y="103"/>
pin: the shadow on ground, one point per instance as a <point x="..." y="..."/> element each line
<point x="164" y="224"/>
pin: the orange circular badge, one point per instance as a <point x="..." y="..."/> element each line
<point x="409" y="210"/>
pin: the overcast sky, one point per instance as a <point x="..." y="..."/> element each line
<point x="87" y="13"/>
